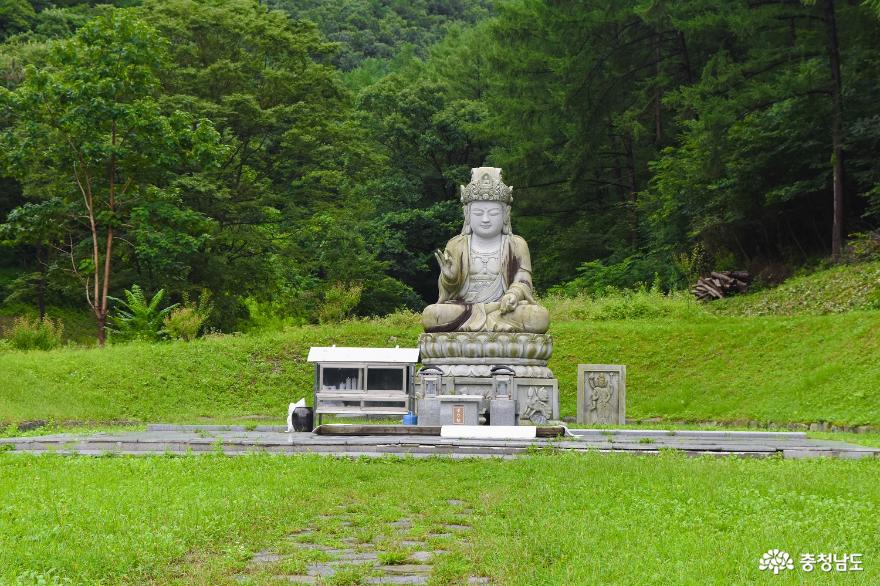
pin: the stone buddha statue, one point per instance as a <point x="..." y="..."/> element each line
<point x="486" y="272"/>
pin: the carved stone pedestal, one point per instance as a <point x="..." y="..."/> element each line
<point x="495" y="365"/>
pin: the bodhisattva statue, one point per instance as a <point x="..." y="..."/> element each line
<point x="486" y="272"/>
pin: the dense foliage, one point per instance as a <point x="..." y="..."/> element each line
<point x="372" y="31"/>
<point x="299" y="160"/>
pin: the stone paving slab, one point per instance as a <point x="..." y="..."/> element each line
<point x="300" y="579"/>
<point x="196" y="440"/>
<point x="689" y="433"/>
<point x="398" y="580"/>
<point x="370" y="567"/>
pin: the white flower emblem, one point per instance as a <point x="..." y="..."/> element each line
<point x="776" y="560"/>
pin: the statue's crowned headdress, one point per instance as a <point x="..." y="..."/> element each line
<point x="486" y="185"/>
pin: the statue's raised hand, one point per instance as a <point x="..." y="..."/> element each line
<point x="445" y="262"/>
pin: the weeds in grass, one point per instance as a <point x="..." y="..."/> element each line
<point x="296" y="564"/>
<point x="393" y="557"/>
<point x="349" y="576"/>
<point x="34" y="578"/>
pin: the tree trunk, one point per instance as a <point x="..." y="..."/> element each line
<point x="658" y="91"/>
<point x="102" y="328"/>
<point x="836" y="130"/>
<point x="632" y="196"/>
<point x="685" y="58"/>
<point x="43" y="261"/>
<point x="102" y="293"/>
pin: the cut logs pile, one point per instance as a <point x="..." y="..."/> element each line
<point x="718" y="285"/>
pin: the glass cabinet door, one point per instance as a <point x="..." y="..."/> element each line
<point x="341" y="379"/>
<point x="386" y="379"/>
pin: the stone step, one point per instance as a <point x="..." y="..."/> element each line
<point x="754" y="444"/>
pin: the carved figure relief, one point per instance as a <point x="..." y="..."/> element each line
<point x="603" y="392"/>
<point x="538" y="409"/>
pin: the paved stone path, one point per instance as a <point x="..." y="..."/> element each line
<point x="162" y="439"/>
<point x="394" y="557"/>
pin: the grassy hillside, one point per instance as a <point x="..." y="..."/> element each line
<point x="781" y="369"/>
<point x="770" y="368"/>
<point x="835" y="290"/>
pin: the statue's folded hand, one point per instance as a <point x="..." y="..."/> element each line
<point x="508" y="303"/>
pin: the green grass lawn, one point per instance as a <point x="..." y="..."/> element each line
<point x="544" y="519"/>
<point x="724" y="368"/>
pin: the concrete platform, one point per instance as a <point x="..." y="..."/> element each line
<point x="231" y="440"/>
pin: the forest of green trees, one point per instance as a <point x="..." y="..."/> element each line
<point x="300" y="158"/>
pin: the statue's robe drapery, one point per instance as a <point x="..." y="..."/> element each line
<point x="453" y="312"/>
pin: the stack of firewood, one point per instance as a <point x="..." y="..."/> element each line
<point x="718" y="285"/>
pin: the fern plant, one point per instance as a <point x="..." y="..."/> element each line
<point x="135" y="318"/>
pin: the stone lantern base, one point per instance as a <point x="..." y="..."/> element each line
<point x="498" y="366"/>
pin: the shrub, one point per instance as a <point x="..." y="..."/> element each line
<point x="339" y="302"/>
<point x="626" y="304"/>
<point x="401" y="320"/>
<point x="135" y="318"/>
<point x="386" y="295"/>
<point x="595" y="277"/>
<point x="35" y="334"/>
<point x="183" y="323"/>
<point x="695" y="264"/>
<point x="863" y="247"/>
<point x="186" y="321"/>
<point x="873" y="301"/>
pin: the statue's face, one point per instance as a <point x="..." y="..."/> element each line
<point x="487" y="218"/>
